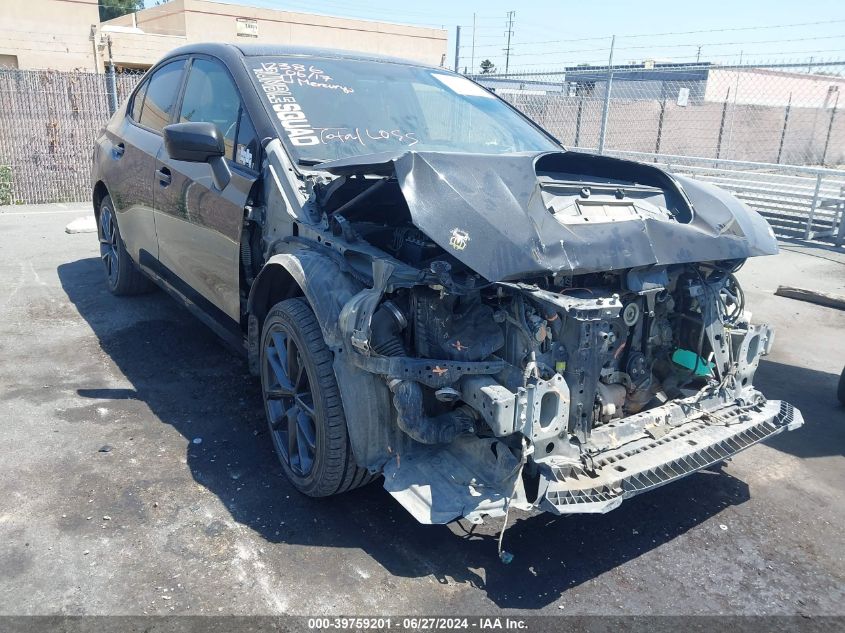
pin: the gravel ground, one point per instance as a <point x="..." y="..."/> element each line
<point x="137" y="477"/>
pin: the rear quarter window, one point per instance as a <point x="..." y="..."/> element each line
<point x="138" y="102"/>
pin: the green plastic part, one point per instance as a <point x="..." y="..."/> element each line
<point x="686" y="358"/>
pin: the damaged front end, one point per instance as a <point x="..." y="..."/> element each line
<point x="552" y="331"/>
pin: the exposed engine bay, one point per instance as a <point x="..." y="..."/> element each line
<point x="590" y="347"/>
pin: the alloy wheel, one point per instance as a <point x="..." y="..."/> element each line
<point x="289" y="402"/>
<point x="108" y="244"/>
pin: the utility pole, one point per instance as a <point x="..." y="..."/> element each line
<point x="457" y="46"/>
<point x="472" y="55"/>
<point x="698" y="54"/>
<point x="509" y="33"/>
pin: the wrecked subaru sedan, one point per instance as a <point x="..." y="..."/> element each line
<point x="431" y="288"/>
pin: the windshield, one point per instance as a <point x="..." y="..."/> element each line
<point x="337" y="108"/>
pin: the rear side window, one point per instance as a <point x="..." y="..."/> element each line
<point x="211" y="97"/>
<point x="138" y="102"/>
<point x="246" y="149"/>
<point x="162" y="93"/>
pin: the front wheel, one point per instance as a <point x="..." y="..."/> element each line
<point x="303" y="405"/>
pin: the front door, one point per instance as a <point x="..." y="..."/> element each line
<point x="199" y="226"/>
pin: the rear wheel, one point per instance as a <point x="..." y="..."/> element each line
<point x="303" y="405"/>
<point x="122" y="276"/>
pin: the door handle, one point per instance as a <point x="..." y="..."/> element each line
<point x="117" y="151"/>
<point x="163" y="176"/>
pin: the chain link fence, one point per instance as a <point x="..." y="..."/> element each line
<point x="772" y="135"/>
<point x="764" y="132"/>
<point x="780" y="114"/>
<point x="48" y="122"/>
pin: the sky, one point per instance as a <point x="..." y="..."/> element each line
<point x="547" y="35"/>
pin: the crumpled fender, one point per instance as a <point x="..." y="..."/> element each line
<point x="729" y="216"/>
<point x="305" y="271"/>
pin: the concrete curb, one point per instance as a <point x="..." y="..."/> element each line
<point x="826" y="299"/>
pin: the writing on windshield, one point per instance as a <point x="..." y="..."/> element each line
<point x="335" y="108"/>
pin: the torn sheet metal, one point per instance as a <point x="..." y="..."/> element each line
<point x="497" y="223"/>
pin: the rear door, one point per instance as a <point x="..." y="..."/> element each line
<point x="134" y="148"/>
<point x="133" y="142"/>
<point x="198" y="226"/>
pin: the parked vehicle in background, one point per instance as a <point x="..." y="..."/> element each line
<point x="431" y="288"/>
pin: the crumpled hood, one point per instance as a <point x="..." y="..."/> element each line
<point x="487" y="211"/>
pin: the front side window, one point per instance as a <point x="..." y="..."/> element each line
<point x="211" y="97"/>
<point x="327" y="109"/>
<point x="162" y="92"/>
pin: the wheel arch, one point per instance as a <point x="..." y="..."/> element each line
<point x="300" y="273"/>
<point x="327" y="289"/>
<point x="100" y="192"/>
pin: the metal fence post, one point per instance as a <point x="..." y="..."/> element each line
<point x="808" y="231"/>
<point x="111" y="88"/>
<point x="785" y="126"/>
<point x="722" y="124"/>
<point x="578" y="121"/>
<point x="840" y="235"/>
<point x="829" y="130"/>
<point x="605" y="112"/>
<point x="660" y="119"/>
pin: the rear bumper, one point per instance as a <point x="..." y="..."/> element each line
<point x="649" y="462"/>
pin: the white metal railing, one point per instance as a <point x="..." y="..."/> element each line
<point x="790" y="196"/>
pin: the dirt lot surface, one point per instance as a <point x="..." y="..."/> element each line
<point x="137" y="477"/>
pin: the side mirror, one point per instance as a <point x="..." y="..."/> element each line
<point x="198" y="142"/>
<point x="193" y="142"/>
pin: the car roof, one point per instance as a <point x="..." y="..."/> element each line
<point x="286" y="50"/>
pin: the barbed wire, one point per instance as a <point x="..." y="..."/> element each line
<point x="688" y="45"/>
<point x="749" y="60"/>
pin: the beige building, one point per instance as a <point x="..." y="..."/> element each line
<point x="48" y="33"/>
<point x="67" y="34"/>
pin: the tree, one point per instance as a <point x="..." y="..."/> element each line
<point x="488" y="67"/>
<point x="115" y="8"/>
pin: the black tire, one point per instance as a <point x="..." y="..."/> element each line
<point x="122" y="275"/>
<point x="841" y="391"/>
<point x="302" y="403"/>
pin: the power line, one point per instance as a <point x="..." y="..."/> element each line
<point x="745" y="54"/>
<point x="659" y="46"/>
<point x="738" y="28"/>
<point x="531" y="43"/>
<point x="687" y="45"/>
<point x="799" y="39"/>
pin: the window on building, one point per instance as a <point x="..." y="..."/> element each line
<point x="162" y="92"/>
<point x="211" y="97"/>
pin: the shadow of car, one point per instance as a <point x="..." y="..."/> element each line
<point x="192" y="383"/>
